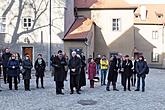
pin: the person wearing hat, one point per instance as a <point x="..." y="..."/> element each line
<point x="59" y="63"/>
<point x="141" y="68"/>
<point x="74" y="66"/>
<point x="27" y="66"/>
<point x="40" y="69"/>
<point x="127" y="66"/>
<point x="13" y="66"/>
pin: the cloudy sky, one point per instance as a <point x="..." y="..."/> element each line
<point x="147" y="1"/>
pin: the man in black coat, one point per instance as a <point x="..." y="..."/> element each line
<point x="141" y="68"/>
<point x="59" y="66"/>
<point x="127" y="65"/>
<point x="74" y="66"/>
<point x="113" y="73"/>
<point x="5" y="58"/>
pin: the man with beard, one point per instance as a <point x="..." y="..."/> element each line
<point x="59" y="66"/>
<point x="5" y="59"/>
<point x="74" y="66"/>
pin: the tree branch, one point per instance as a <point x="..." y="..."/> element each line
<point x="31" y="30"/>
<point x="8" y="8"/>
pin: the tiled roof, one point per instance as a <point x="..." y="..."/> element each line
<point x="79" y="30"/>
<point x="155" y="14"/>
<point x="103" y="4"/>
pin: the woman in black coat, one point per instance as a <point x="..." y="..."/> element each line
<point x="40" y="69"/>
<point x="13" y="66"/>
<point x="127" y="65"/>
<point x="113" y="74"/>
<point x="27" y="66"/>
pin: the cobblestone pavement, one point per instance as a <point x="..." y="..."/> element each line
<point x="46" y="99"/>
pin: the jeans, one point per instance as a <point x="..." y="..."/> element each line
<point x="98" y="68"/>
<point x="103" y="76"/>
<point x="143" y="83"/>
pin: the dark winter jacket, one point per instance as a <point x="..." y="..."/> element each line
<point x="59" y="66"/>
<point x="141" y="68"/>
<point x="5" y="59"/>
<point x="127" y="68"/>
<point x="27" y="66"/>
<point x="13" y="66"/>
<point x="40" y="68"/>
<point x="75" y="63"/>
<point x="112" y="75"/>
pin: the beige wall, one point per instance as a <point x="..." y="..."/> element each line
<point x="106" y="40"/>
<point x="146" y="44"/>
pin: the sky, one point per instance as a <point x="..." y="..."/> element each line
<point x="147" y="1"/>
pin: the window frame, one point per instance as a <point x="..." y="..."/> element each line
<point x="27" y="22"/>
<point x="155" y="35"/>
<point x="116" y="26"/>
<point x="2" y="23"/>
<point x="155" y="57"/>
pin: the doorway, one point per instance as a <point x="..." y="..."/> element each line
<point x="29" y="51"/>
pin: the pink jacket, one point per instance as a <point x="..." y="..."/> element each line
<point x="91" y="71"/>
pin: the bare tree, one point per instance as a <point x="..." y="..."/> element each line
<point x="38" y="11"/>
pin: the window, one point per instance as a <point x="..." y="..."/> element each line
<point x="155" y="57"/>
<point x="116" y="24"/>
<point x="2" y="24"/>
<point x="155" y="35"/>
<point x="27" y="22"/>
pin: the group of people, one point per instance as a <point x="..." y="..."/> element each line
<point x="12" y="66"/>
<point x="130" y="70"/>
<point x="77" y="66"/>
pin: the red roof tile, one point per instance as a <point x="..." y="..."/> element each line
<point x="103" y="4"/>
<point x="152" y="16"/>
<point x="79" y="30"/>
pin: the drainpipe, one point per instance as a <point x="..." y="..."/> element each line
<point x="163" y="46"/>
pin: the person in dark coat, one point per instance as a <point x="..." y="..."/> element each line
<point x="5" y="58"/>
<point x="91" y="72"/>
<point x="97" y="60"/>
<point x="59" y="76"/>
<point x="0" y="67"/>
<point x="66" y="67"/>
<point x="40" y="69"/>
<point x="13" y="66"/>
<point x="141" y="67"/>
<point x="133" y="77"/>
<point x="18" y="58"/>
<point x="127" y="65"/>
<point x="74" y="66"/>
<point x="27" y="66"/>
<point x="113" y="74"/>
<point x="82" y="71"/>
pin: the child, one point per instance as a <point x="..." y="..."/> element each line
<point x="91" y="72"/>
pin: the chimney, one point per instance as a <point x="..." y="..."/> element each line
<point x="143" y="12"/>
